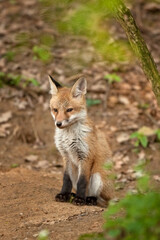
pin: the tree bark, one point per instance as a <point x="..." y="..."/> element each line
<point x="125" y="18"/>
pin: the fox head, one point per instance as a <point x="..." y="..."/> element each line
<point x="68" y="105"/>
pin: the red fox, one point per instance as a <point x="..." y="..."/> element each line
<point x="83" y="147"/>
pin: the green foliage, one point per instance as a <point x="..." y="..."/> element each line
<point x="14" y="80"/>
<point x="2" y="75"/>
<point x="42" y="49"/>
<point x="43" y="235"/>
<point x="91" y="102"/>
<point x="143" y="105"/>
<point x="109" y="165"/>
<point x="139" y="218"/>
<point x="10" y="55"/>
<point x="31" y="80"/>
<point x="14" y="165"/>
<point x="89" y="19"/>
<point x="135" y="217"/>
<point x="12" y="1"/>
<point x="158" y="134"/>
<point x="42" y="53"/>
<point x="10" y="79"/>
<point x="143" y="183"/>
<point x="46" y="40"/>
<point x="141" y="139"/>
<point x="23" y="39"/>
<point x="93" y="236"/>
<point x="111" y="78"/>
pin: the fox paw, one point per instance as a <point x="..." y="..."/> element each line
<point x="91" y="200"/>
<point x="63" y="197"/>
<point x="78" y="201"/>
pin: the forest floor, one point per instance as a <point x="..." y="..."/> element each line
<point x="30" y="166"/>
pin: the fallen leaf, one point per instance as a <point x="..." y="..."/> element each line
<point x="5" y="116"/>
<point x="118" y="165"/>
<point x="146" y="131"/>
<point x="113" y="100"/>
<point x="125" y="160"/>
<point x="4" y="132"/>
<point x="31" y="158"/>
<point x="21" y="104"/>
<point x="157" y="178"/>
<point x="42" y="164"/>
<point x="117" y="156"/>
<point x="124" y="100"/>
<point x="123" y="137"/>
<point x="141" y="155"/>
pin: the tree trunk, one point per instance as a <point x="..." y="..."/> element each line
<point x="125" y="18"/>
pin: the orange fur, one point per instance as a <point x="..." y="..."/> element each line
<point x="94" y="140"/>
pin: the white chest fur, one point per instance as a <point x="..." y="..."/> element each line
<point x="71" y="142"/>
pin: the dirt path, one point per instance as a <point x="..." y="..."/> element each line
<point x="27" y="205"/>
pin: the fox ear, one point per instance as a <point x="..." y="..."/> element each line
<point x="79" y="88"/>
<point x="53" y="85"/>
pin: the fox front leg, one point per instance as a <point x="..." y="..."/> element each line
<point x="80" y="198"/>
<point x="65" y="194"/>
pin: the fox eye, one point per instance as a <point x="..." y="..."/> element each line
<point x="55" y="109"/>
<point x="69" y="109"/>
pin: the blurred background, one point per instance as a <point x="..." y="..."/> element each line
<point x="69" y="39"/>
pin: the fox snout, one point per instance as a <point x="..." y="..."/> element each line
<point x="60" y="121"/>
<point x="59" y="124"/>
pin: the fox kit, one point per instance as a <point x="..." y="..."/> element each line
<point x="83" y="147"/>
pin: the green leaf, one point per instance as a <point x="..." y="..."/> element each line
<point x="14" y="80"/>
<point x="137" y="143"/>
<point x="143" y="140"/>
<point x="114" y="233"/>
<point x="33" y="81"/>
<point x="10" y="56"/>
<point x="143" y="183"/>
<point x="91" y="102"/>
<point x="42" y="53"/>
<point x="43" y="235"/>
<point x="14" y="165"/>
<point x="112" y="78"/>
<point x="134" y="135"/>
<point x="143" y="105"/>
<point x="158" y="134"/>
<point x="108" y="165"/>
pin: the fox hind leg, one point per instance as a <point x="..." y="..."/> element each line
<point x="94" y="189"/>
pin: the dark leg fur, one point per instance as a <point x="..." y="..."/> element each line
<point x="81" y="191"/>
<point x="65" y="194"/>
<point x="63" y="197"/>
<point x="91" y="200"/>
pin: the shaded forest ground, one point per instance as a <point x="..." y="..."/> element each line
<point x="30" y="166"/>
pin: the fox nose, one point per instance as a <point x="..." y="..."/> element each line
<point x="59" y="124"/>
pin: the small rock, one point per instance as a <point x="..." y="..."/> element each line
<point x="42" y="164"/>
<point x="141" y="155"/>
<point x="118" y="165"/>
<point x="146" y="131"/>
<point x="157" y="178"/>
<point x="124" y="100"/>
<point x="123" y="137"/>
<point x="31" y="158"/>
<point x="35" y="235"/>
<point x="4" y="129"/>
<point x="5" y="117"/>
<point x="125" y="159"/>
